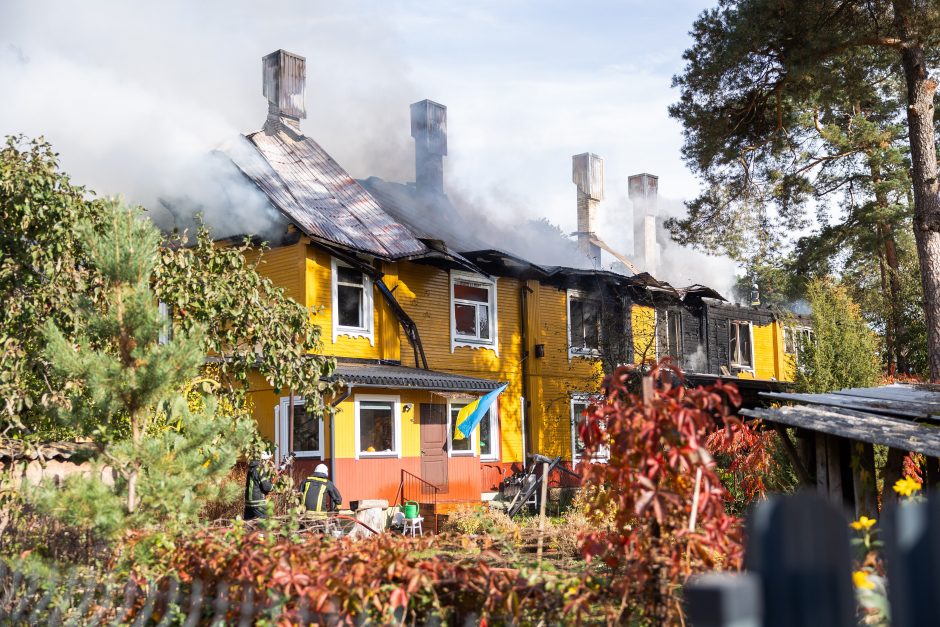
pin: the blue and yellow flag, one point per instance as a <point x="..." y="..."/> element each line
<point x="470" y="416"/>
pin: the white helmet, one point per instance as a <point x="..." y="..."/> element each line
<point x="265" y="456"/>
<point x="321" y="470"/>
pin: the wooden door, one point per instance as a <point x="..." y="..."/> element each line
<point x="434" y="444"/>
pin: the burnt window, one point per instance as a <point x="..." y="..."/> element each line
<point x="473" y="304"/>
<point x="584" y="324"/>
<point x="674" y="334"/>
<point x="739" y="344"/>
<point x="580" y="404"/>
<point x="306" y="430"/>
<point x="796" y="339"/>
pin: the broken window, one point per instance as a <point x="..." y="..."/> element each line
<point x="473" y="308"/>
<point x="739" y="344"/>
<point x="352" y="301"/>
<point x="579" y="405"/>
<point x="796" y="339"/>
<point x="674" y="334"/>
<point x="584" y="324"/>
<point x="376" y="421"/>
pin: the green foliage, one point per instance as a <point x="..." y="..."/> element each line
<point x="125" y="388"/>
<point x="251" y="325"/>
<point x="41" y="267"/>
<point x="44" y="261"/>
<point x="844" y="352"/>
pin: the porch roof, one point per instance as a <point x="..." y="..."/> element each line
<point x="366" y="374"/>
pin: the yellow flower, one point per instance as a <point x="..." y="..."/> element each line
<point x="861" y="580"/>
<point x="863" y="523"/>
<point x="906" y="486"/>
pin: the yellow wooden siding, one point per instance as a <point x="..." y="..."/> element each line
<point x="644" y="333"/>
<point x="424" y="293"/>
<point x="765" y="366"/>
<point x="263" y="400"/>
<point x="554" y="377"/>
<point x="284" y="265"/>
<point x="319" y="298"/>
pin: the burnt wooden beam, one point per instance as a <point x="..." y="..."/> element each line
<point x="793" y="456"/>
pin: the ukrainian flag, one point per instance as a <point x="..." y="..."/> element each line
<point x="470" y="416"/>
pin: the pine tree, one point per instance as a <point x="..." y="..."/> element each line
<point x="127" y="388"/>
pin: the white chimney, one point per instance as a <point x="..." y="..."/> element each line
<point x="284" y="84"/>
<point x="643" y="191"/>
<point x="587" y="173"/>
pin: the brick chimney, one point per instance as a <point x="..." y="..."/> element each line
<point x="284" y="84"/>
<point x="429" y="129"/>
<point x="643" y="191"/>
<point x="587" y="173"/>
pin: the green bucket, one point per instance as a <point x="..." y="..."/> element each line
<point x="411" y="509"/>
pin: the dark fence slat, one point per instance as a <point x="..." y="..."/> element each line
<point x="719" y="600"/>
<point x="912" y="557"/>
<point x="798" y="546"/>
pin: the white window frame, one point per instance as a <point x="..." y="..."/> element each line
<point x="602" y="455"/>
<point x="166" y="326"/>
<point x="494" y="433"/>
<point x="474" y="440"/>
<point x="797" y="334"/>
<point x="743" y="367"/>
<point x="396" y="425"/>
<point x="283" y="428"/>
<point x="580" y="351"/>
<point x="456" y="340"/>
<point x="368" y="307"/>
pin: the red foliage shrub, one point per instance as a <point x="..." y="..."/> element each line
<point x="748" y="451"/>
<point x="382" y="580"/>
<point x="658" y="467"/>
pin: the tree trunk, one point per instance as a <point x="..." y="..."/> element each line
<point x="921" y="88"/>
<point x="889" y="321"/>
<point x="894" y="281"/>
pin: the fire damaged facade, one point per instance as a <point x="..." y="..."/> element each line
<point x="423" y="317"/>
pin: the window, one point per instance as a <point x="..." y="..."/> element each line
<point x="579" y="404"/>
<point x="455" y="446"/>
<point x="674" y="334"/>
<point x="166" y="328"/>
<point x="352" y="302"/>
<point x="584" y="325"/>
<point x="307" y="432"/>
<point x="487" y="433"/>
<point x="473" y="311"/>
<point x="377" y="426"/>
<point x="795" y="339"/>
<point x="739" y="344"/>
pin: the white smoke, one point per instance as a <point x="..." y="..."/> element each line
<point x="135" y="97"/>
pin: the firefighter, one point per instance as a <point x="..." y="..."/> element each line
<point x="257" y="485"/>
<point x="316" y="488"/>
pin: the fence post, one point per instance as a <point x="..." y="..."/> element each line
<point x="720" y="600"/>
<point x="798" y="546"/>
<point x="912" y="557"/>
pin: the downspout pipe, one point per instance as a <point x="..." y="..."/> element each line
<point x="526" y="403"/>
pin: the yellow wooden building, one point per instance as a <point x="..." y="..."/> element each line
<point x="424" y="318"/>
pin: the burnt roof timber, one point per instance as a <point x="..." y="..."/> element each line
<point x="911" y="410"/>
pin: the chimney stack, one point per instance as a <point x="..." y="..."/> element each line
<point x="587" y="173"/>
<point x="643" y="191"/>
<point x="284" y="83"/>
<point x="429" y="129"/>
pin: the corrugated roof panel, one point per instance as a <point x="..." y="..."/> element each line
<point x="321" y="198"/>
<point x="394" y="376"/>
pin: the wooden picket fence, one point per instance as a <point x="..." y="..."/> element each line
<point x="798" y="568"/>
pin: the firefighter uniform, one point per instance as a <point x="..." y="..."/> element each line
<point x="319" y="493"/>
<point x="257" y="487"/>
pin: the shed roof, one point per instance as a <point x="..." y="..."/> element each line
<point x="306" y="184"/>
<point x="389" y="375"/>
<point x="903" y="416"/>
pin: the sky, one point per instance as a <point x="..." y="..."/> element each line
<point x="129" y="93"/>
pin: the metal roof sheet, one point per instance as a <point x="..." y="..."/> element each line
<point x="385" y="375"/>
<point x="306" y="184"/>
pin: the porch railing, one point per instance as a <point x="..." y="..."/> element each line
<point x="424" y="493"/>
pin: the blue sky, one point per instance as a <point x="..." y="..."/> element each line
<point x="125" y="88"/>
